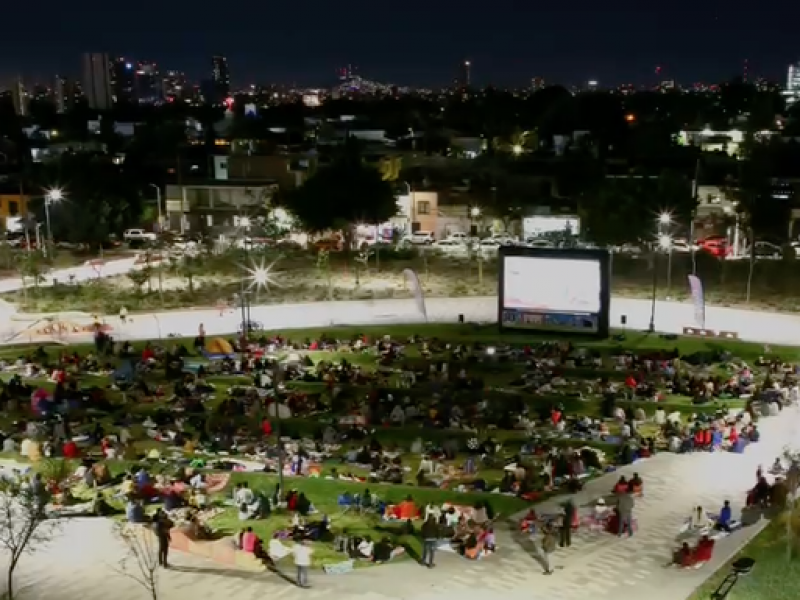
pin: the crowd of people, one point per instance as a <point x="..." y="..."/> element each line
<point x="449" y="391"/>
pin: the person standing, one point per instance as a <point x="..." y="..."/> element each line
<point x="625" y="506"/>
<point x="566" y="524"/>
<point x="430" y="539"/>
<point x="548" y="546"/>
<point x="302" y="560"/>
<point x="163" y="527"/>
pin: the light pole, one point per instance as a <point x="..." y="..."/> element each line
<point x="53" y="195"/>
<point x="664" y="219"/>
<point x="158" y="204"/>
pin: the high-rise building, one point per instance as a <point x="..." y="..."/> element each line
<point x="220" y="77"/>
<point x="148" y="83"/>
<point x="123" y="80"/>
<point x="20" y="98"/>
<point x="97" y="80"/>
<point x="60" y="94"/>
<point x="465" y="74"/>
<point x="792" y="91"/>
<point x="174" y="85"/>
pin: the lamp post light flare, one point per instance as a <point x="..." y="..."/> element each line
<point x="53" y="195"/>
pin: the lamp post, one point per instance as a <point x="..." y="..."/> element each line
<point x="664" y="219"/>
<point x="53" y="195"/>
<point x="158" y="205"/>
<point x="474" y="215"/>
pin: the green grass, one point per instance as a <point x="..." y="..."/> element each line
<point x="324" y="494"/>
<point x="774" y="576"/>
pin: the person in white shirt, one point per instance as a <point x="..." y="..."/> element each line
<point x="9" y="445"/>
<point x="366" y="548"/>
<point x="25" y="447"/>
<point x="301" y="553"/>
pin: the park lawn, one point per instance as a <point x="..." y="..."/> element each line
<point x="774" y="577"/>
<point x="324" y="494"/>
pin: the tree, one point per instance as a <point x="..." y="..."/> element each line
<point x="92" y="186"/>
<point x="340" y="195"/>
<point x="24" y="527"/>
<point x="141" y="561"/>
<point x="189" y="267"/>
<point x="625" y="210"/>
<point x="138" y="278"/>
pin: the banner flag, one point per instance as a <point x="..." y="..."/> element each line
<point x="416" y="289"/>
<point x="696" y="286"/>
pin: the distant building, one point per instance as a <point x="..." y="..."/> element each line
<point x="220" y="77"/>
<point x="123" y="80"/>
<point x="537" y="83"/>
<point x="465" y="74"/>
<point x="97" y="81"/>
<point x="792" y="91"/>
<point x="148" y="83"/>
<point x="20" y="98"/>
<point x="173" y="84"/>
<point x="60" y="94"/>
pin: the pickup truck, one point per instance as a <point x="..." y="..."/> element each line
<point x="138" y="235"/>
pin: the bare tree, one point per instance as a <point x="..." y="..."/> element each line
<point x="141" y="561"/>
<point x="792" y="484"/>
<point x="24" y="527"/>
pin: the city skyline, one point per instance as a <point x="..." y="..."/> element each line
<point x="508" y="46"/>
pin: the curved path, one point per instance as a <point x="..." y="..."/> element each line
<point x="671" y="317"/>
<point x="82" y="272"/>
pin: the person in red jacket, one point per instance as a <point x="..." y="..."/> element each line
<point x="71" y="450"/>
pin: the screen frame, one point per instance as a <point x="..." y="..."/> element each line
<point x="601" y="256"/>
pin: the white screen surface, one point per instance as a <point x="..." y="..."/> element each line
<point x="552" y="284"/>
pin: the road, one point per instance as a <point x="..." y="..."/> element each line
<point x="80" y="273"/>
<point x="671" y="317"/>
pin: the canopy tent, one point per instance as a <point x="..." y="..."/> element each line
<point x="218" y="348"/>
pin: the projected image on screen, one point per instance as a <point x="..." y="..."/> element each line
<point x="552" y="284"/>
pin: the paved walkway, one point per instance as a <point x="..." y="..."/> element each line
<point x="79" y="564"/>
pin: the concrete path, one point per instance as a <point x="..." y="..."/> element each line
<point x="79" y="564"/>
<point x="671" y="317"/>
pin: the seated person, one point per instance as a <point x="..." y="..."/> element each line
<point x="724" y="519"/>
<point x="128" y="487"/>
<point x="384" y="551"/>
<point x="777" y="467"/>
<point x="303" y="505"/>
<point x="366" y="548"/>
<point x="699" y="519"/>
<point x="197" y="529"/>
<point x="635" y="484"/>
<point x="134" y="512"/>
<point x="600" y="513"/>
<point x="704" y="550"/>
<point x="684" y="556"/>
<point x="248" y="540"/>
<point x="621" y="486"/>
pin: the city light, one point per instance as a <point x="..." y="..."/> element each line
<point x="664" y="218"/>
<point x="516" y="149"/>
<point x="54" y="195"/>
<point x="261" y="276"/>
<point x="475" y="212"/>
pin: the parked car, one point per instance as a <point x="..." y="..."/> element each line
<point x="716" y="246"/>
<point x="767" y="250"/>
<point x="460" y="237"/>
<point x="449" y="247"/>
<point x="539" y="243"/>
<point x="681" y="246"/>
<point x="138" y="235"/>
<point x="422" y="237"/>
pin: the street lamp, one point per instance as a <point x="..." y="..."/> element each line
<point x="664" y="219"/>
<point x="158" y="204"/>
<point x="53" y="195"/>
<point x="516" y="149"/>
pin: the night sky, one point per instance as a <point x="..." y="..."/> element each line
<point x="412" y="42"/>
